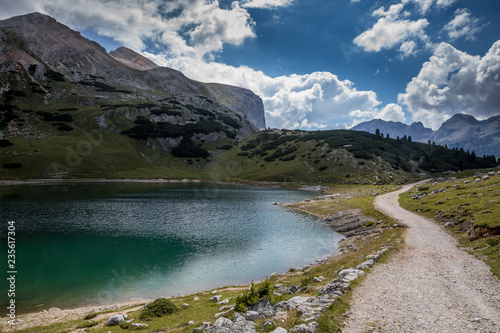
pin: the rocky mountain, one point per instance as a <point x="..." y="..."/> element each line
<point x="465" y="131"/>
<point x="460" y="131"/>
<point x="57" y="87"/>
<point x="34" y="46"/>
<point x="132" y="59"/>
<point x="416" y="130"/>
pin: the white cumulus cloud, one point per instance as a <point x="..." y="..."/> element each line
<point x="316" y="100"/>
<point x="463" y="25"/>
<point x="388" y="33"/>
<point x="194" y="27"/>
<point x="425" y="5"/>
<point x="187" y="35"/>
<point x="452" y="82"/>
<point x="266" y="3"/>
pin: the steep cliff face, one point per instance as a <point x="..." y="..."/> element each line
<point x="240" y="100"/>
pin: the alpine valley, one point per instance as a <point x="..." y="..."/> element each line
<point x="69" y="109"/>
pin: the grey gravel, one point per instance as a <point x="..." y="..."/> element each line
<point x="430" y="286"/>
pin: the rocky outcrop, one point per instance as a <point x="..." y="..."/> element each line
<point x="351" y="223"/>
<point x="308" y="308"/>
<point x="224" y="325"/>
<point x="243" y="101"/>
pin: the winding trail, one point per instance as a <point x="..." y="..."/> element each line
<point x="430" y="286"/>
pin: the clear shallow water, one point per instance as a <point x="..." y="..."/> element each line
<point x="82" y="244"/>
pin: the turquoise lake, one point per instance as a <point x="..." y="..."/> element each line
<point x="100" y="243"/>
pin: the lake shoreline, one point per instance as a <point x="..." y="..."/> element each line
<point x="54" y="315"/>
<point x="51" y="181"/>
<point x="89" y="307"/>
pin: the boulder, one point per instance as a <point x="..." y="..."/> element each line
<point x="116" y="319"/>
<point x="449" y="225"/>
<point x="333" y="288"/>
<point x="348" y="275"/>
<point x="305" y="310"/>
<point x="366" y="264"/>
<point x="224" y="325"/>
<point x="264" y="308"/>
<point x="279" y="330"/>
<point x="215" y="298"/>
<point x="267" y="326"/>
<point x="291" y="304"/>
<point x="306" y="328"/>
<point x="252" y="315"/>
<point x="138" y="326"/>
<point x="292" y="289"/>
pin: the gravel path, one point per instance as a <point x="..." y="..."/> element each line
<point x="431" y="286"/>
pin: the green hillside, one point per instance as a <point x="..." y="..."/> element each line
<point x="73" y="136"/>
<point x="340" y="156"/>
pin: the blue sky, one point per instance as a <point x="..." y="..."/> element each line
<point x="316" y="63"/>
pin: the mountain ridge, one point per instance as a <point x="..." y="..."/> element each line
<point x="460" y="131"/>
<point x="37" y="39"/>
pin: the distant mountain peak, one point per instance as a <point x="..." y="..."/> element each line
<point x="462" y="117"/>
<point x="132" y="59"/>
<point x="460" y="131"/>
<point x="34" y="17"/>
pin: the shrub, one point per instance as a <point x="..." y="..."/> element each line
<point x="224" y="147"/>
<point x="53" y="75"/>
<point x="204" y="126"/>
<point x="125" y="325"/>
<point x="5" y="143"/>
<point x="64" y="127"/>
<point x="323" y="168"/>
<point x="230" y="134"/>
<point x="88" y="323"/>
<point x="187" y="148"/>
<point x="165" y="111"/>
<point x="90" y="316"/>
<point x="252" y="296"/>
<point x="158" y="308"/>
<point x="423" y="188"/>
<point x="493" y="241"/>
<point x="12" y="165"/>
<point x="229" y="121"/>
<point x="67" y="109"/>
<point x="369" y="224"/>
<point x="250" y="145"/>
